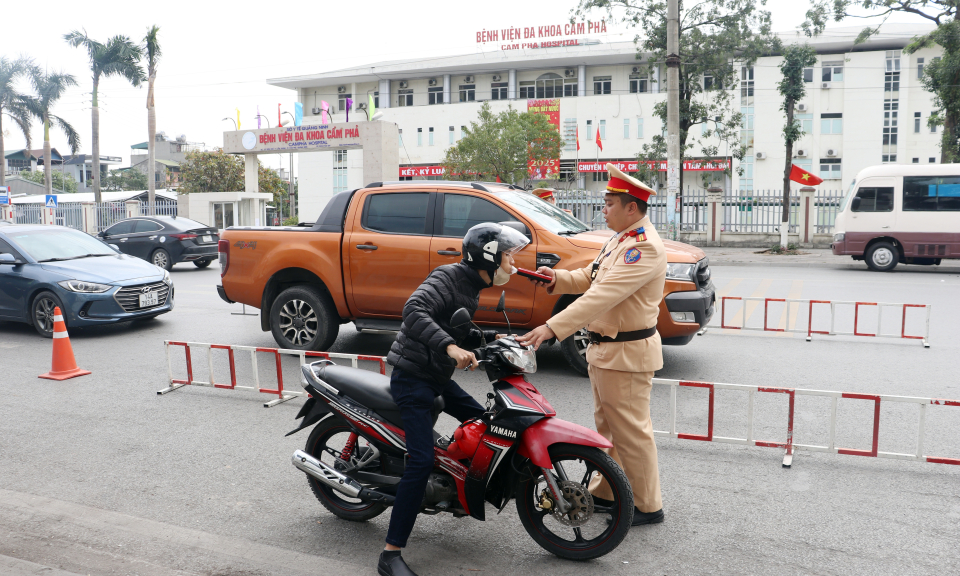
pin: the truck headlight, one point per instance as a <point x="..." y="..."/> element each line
<point x="838" y="237"/>
<point x="522" y="359"/>
<point x="683" y="272"/>
<point x="84" y="287"/>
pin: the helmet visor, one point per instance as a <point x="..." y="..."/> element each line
<point x="510" y="241"/>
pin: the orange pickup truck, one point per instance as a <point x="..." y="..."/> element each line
<point x="372" y="247"/>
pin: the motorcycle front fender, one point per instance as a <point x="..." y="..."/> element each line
<point x="538" y="438"/>
<point x="312" y="412"/>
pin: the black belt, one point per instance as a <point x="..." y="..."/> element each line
<point x="596" y="337"/>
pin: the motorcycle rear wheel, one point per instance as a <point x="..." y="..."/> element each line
<point x="325" y="443"/>
<point x="596" y="536"/>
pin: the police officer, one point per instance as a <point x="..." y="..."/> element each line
<point x="622" y="290"/>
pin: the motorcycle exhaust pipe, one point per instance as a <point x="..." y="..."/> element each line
<point x="334" y="479"/>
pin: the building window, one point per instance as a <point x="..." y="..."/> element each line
<point x="919" y="68"/>
<point x="451" y="135"/>
<point x="933" y="128"/>
<point x="916" y="160"/>
<point x="932" y="160"/>
<point x="569" y="132"/>
<point x="893" y="61"/>
<point x="639" y="128"/>
<point x="430" y="136"/>
<point x="711" y="83"/>
<point x="419" y="136"/>
<point x="498" y="91"/>
<point x="376" y="99"/>
<point x="603" y="129"/>
<point x="400" y="134"/>
<point x="888" y="158"/>
<point x="342" y="102"/>
<point x="551" y="85"/>
<point x="831" y="123"/>
<point x="626" y="128"/>
<point x="916" y="122"/>
<point x="435" y="95"/>
<point x="890" y="126"/>
<point x="639" y="84"/>
<point x="601" y="176"/>
<point x="527" y="89"/>
<point x="339" y="171"/>
<point x="833" y="71"/>
<point x="468" y="92"/>
<point x="806" y="122"/>
<point x="463" y="131"/>
<point x="569" y="88"/>
<point x="830" y="168"/>
<point x="590" y="134"/>
<point x="808" y="74"/>
<point x="405" y="97"/>
<point x="746" y="85"/>
<point x="602" y="85"/>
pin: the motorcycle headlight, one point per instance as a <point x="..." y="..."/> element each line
<point x="522" y="359"/>
<point x="679" y="271"/>
<point x="84" y="287"/>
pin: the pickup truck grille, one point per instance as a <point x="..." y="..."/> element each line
<point x="703" y="272"/>
<point x="129" y="297"/>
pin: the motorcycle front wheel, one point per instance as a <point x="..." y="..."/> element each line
<point x="590" y="529"/>
<point x="326" y="443"/>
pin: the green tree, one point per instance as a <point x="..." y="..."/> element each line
<point x="501" y="146"/>
<point x="796" y="57"/>
<point x="218" y="172"/>
<point x="940" y="77"/>
<point x="62" y="182"/>
<point x="151" y="46"/>
<point x="129" y="179"/>
<point x="118" y="57"/>
<point x="48" y="89"/>
<point x="717" y="37"/>
<point x="13" y="104"/>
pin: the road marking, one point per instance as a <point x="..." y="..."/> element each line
<point x="17" y="567"/>
<point x="725" y="291"/>
<point x="760" y="292"/>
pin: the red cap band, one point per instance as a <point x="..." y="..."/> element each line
<point x="619" y="186"/>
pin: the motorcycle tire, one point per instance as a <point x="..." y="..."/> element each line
<point x="567" y="542"/>
<point x="339" y="504"/>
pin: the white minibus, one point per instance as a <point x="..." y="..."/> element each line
<point x="900" y="213"/>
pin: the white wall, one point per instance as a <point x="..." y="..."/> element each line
<point x="315" y="183"/>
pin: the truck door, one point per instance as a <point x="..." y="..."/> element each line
<point x="387" y="251"/>
<point x="457" y="213"/>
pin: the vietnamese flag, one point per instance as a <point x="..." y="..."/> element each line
<point x="798" y="174"/>
<point x="599" y="142"/>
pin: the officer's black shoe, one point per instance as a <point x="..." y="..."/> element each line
<point x="641" y="518"/>
<point x="392" y="564"/>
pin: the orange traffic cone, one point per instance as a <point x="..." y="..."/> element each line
<point x="64" y="365"/>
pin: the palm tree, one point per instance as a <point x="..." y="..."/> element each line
<point x="118" y="57"/>
<point x="152" y="47"/>
<point x="49" y="88"/>
<point x="12" y="103"/>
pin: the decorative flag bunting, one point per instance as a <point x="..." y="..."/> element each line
<point x="599" y="142"/>
<point x="297" y="113"/>
<point x="371" y="107"/>
<point x="238" y="118"/>
<point x="798" y="174"/>
<point x="279" y="117"/>
<point x="258" y="116"/>
<point x="349" y="106"/>
<point x="578" y="138"/>
<point x="323" y="112"/>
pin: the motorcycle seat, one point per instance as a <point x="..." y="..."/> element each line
<point x="370" y="389"/>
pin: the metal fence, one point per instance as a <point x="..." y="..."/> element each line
<point x="162" y="208"/>
<point x="758" y="211"/>
<point x="69" y="214"/>
<point x="28" y="213"/>
<point x="586" y="206"/>
<point x="827" y="204"/>
<point x="108" y="213"/>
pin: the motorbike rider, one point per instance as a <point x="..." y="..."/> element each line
<point x="424" y="356"/>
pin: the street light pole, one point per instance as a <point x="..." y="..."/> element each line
<point x="673" y="117"/>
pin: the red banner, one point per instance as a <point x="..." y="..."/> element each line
<point x="551" y="109"/>
<point x="421" y="171"/>
<point x="659" y="165"/>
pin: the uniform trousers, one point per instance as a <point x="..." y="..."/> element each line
<point x="621" y="410"/>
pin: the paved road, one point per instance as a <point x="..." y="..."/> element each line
<point x="100" y="475"/>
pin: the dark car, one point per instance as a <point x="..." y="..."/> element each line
<point x="164" y="240"/>
<point x="42" y="267"/>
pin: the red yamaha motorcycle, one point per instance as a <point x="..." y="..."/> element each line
<point x="518" y="449"/>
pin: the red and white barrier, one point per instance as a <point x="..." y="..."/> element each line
<point x="809" y="331"/>
<point x="789" y="445"/>
<point x="283" y="395"/>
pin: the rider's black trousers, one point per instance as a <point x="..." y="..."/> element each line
<point x="415" y="399"/>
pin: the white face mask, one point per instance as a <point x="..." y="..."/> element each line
<point x="500" y="277"/>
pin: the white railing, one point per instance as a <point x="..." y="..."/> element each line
<point x="161" y="208"/>
<point x="28" y="213"/>
<point x="107" y="214"/>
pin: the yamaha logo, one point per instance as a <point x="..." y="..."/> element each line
<point x="503" y="432"/>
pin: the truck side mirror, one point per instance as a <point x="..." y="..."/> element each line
<point x="460" y="317"/>
<point x="503" y="296"/>
<point x="518" y="226"/>
<point x="855" y="204"/>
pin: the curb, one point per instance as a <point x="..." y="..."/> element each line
<point x="832" y="266"/>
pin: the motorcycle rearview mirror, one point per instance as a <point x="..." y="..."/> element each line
<point x="502" y="309"/>
<point x="460" y="317"/>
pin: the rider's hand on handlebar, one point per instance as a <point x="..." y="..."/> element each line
<point x="462" y="357"/>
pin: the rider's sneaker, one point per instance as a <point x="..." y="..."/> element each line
<point x="392" y="564"/>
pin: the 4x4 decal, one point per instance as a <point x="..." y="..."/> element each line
<point x="242" y="244"/>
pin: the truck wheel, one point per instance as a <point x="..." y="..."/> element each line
<point x="304" y="318"/>
<point x="574" y="350"/>
<point x="882" y="257"/>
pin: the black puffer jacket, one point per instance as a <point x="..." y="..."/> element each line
<point x="421" y="346"/>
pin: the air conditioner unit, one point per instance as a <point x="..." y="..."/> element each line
<point x="761" y="156"/>
<point x="432" y="82"/>
<point x="468" y="79"/>
<point x="496" y="77"/>
<point x="831" y="152"/>
<point x="569" y="72"/>
<point x="801" y="107"/>
<point x="824" y="85"/>
<point x="403" y="83"/>
<point x="315" y="111"/>
<point x="801" y="152"/>
<point x="635" y="69"/>
<point x="341" y="89"/>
